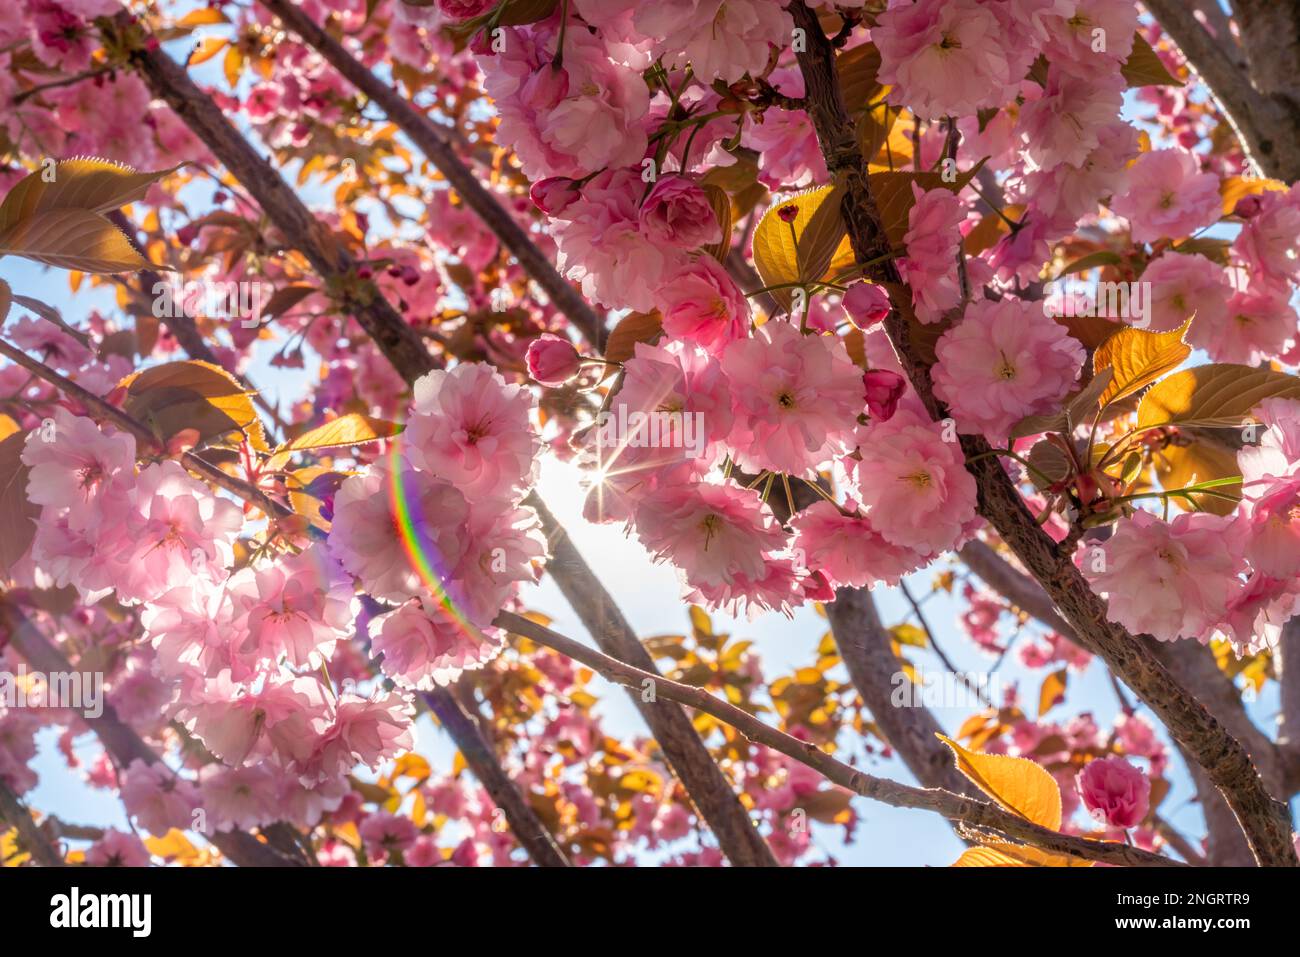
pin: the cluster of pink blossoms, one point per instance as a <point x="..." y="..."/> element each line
<point x="1203" y="574"/>
<point x="235" y="656"/>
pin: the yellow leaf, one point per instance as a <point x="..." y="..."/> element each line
<point x="233" y="65"/>
<point x="192" y="395"/>
<point x="892" y="192"/>
<point x="1053" y="691"/>
<point x="1236" y="188"/>
<point x="206" y="49"/>
<point x="1144" y="68"/>
<point x="89" y="184"/>
<point x="1000" y="854"/>
<point x="173" y="846"/>
<point x="1205" y="459"/>
<point x="1018" y="784"/>
<point x="413" y="766"/>
<point x="777" y="244"/>
<point x="202" y="18"/>
<point x="633" y="328"/>
<point x="72" y="239"/>
<point x="721" y="204"/>
<point x="908" y="634"/>
<point x="347" y="430"/>
<point x="1138" y="358"/>
<point x="1213" y="396"/>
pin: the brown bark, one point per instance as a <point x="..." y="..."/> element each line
<point x="1265" y="820"/>
<point x="873" y="667"/>
<point x="1261" y="101"/>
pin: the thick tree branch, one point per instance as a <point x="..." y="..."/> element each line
<point x="964" y="810"/>
<point x="1286" y="660"/>
<point x="32" y="839"/>
<point x="1265" y="820"/>
<point x="465" y="730"/>
<point x="1261" y="105"/>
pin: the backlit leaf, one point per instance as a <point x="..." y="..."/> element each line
<point x="1018" y="784"/>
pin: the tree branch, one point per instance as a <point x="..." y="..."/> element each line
<point x="964" y="810"/>
<point x="1266" y="122"/>
<point x="874" y="670"/>
<point x="33" y="840"/>
<point x="1265" y="820"/>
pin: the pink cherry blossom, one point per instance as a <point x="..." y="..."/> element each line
<point x="72" y="457"/>
<point x="1002" y="362"/>
<point x="848" y="550"/>
<point x="701" y="303"/>
<point x="423" y="649"/>
<point x="914" y="484"/>
<point x="677" y="212"/>
<point x="943" y="57"/>
<point x="469" y="427"/>
<point x="796" y="398"/>
<point x="1114" y="791"/>
<point x="932" y="240"/>
<point x="1167" y="579"/>
<point x="1168" y="196"/>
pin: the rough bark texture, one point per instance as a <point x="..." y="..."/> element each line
<point x="1260" y="101"/>
<point x="1266" y="821"/>
<point x="524" y="822"/>
<point x="863" y="643"/>
<point x="36" y="843"/>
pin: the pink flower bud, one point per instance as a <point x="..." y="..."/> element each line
<point x="866" y="304"/>
<point x="552" y="361"/>
<point x="1248" y="206"/>
<point x="1114" y="791"/>
<point x="463" y="9"/>
<point x="554" y="194"/>
<point x="884" y="389"/>
<point x="788" y="214"/>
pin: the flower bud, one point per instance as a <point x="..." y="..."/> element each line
<point x="866" y="304"/>
<point x="552" y="361"/>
